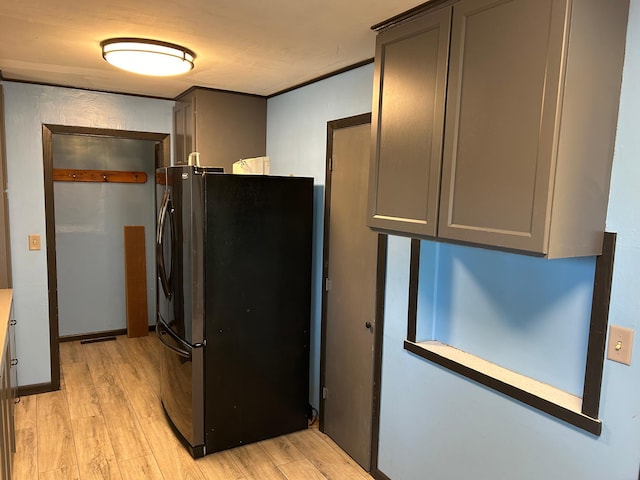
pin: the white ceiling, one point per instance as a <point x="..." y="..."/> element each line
<point x="253" y="46"/>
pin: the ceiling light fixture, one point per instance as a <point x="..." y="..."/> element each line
<point x="147" y="57"/>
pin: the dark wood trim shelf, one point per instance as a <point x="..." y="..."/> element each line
<point x="586" y="419"/>
<point x="598" y="328"/>
<point x="414" y="271"/>
<point x="381" y="281"/>
<point x="591" y="425"/>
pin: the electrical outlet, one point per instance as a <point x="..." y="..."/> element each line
<point x="620" y="344"/>
<point x="34" y="242"/>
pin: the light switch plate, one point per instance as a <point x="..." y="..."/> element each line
<point x="620" y="344"/>
<point x="34" y="242"/>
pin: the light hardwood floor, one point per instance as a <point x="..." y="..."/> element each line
<point x="106" y="422"/>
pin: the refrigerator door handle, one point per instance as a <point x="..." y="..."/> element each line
<point x="162" y="330"/>
<point x="162" y="272"/>
<point x="174" y="242"/>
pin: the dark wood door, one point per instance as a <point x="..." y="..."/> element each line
<point x="350" y="292"/>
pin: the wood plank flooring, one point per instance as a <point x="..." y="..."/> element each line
<point x="107" y="423"/>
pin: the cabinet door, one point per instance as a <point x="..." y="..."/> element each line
<point x="178" y="134"/>
<point x="183" y="129"/>
<point x="229" y="126"/>
<point x="4" y="418"/>
<point x="407" y="124"/>
<point x="189" y="107"/>
<point x="12" y="378"/>
<point x="7" y="413"/>
<point x="503" y="90"/>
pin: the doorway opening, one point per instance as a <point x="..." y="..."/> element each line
<point x="64" y="143"/>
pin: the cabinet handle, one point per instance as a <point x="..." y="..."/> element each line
<point x="368" y="325"/>
<point x="13" y="322"/>
<point x="14" y="362"/>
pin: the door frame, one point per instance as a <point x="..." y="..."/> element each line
<point x="163" y="150"/>
<point x="379" y="300"/>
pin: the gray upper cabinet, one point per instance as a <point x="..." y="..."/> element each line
<point x="532" y="95"/>
<point x="407" y="124"/>
<point x="223" y="127"/>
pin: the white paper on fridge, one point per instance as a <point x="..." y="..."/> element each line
<point x="253" y="166"/>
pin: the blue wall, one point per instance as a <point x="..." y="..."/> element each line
<point x="434" y="424"/>
<point x="435" y="421"/>
<point x="89" y="221"/>
<point x="296" y="145"/>
<point x="27" y="107"/>
<point x="437" y="425"/>
<point x="528" y="314"/>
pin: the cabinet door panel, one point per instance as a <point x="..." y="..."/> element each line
<point x="229" y="126"/>
<point x="178" y="134"/>
<point x="501" y="121"/>
<point x="12" y="378"/>
<point x="183" y="129"/>
<point x="189" y="128"/>
<point x="407" y="124"/>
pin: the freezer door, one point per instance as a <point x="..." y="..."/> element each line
<point x="181" y="366"/>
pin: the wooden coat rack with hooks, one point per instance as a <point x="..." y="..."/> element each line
<point x="108" y="176"/>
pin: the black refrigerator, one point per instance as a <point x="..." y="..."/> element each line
<point x="233" y="259"/>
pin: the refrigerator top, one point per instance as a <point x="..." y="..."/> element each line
<point x="193" y="168"/>
<point x="218" y="171"/>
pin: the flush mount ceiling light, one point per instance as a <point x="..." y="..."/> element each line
<point x="147" y="57"/>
